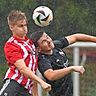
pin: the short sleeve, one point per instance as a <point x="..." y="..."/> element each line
<point x="12" y="53"/>
<point x="44" y="64"/>
<point x="61" y="43"/>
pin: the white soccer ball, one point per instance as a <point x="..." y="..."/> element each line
<point x="42" y="16"/>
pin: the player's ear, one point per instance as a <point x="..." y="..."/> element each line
<point x="38" y="49"/>
<point x="11" y="27"/>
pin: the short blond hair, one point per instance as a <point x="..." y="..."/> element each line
<point x="15" y="16"/>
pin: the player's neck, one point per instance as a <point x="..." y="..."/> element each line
<point x="20" y="37"/>
<point x="49" y="52"/>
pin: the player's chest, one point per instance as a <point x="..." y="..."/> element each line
<point x="59" y="60"/>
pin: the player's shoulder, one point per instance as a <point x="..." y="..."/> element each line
<point x="43" y="57"/>
<point x="10" y="43"/>
<point x="11" y="39"/>
<point x="61" y="43"/>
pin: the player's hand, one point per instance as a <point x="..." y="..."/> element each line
<point x="46" y="86"/>
<point x="79" y="69"/>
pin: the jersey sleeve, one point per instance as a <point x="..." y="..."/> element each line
<point x="44" y="64"/>
<point x="61" y="43"/>
<point x="12" y="53"/>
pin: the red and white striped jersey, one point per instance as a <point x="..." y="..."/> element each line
<point x="16" y="49"/>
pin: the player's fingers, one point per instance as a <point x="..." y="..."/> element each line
<point x="82" y="70"/>
<point x="48" y="88"/>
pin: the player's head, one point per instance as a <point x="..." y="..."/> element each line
<point x="15" y="16"/>
<point x="42" y="41"/>
<point x="17" y="22"/>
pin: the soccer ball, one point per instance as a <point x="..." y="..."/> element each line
<point x="42" y="16"/>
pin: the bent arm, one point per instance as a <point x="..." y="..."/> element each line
<point x="57" y="74"/>
<point x="35" y="89"/>
<point x="20" y="64"/>
<point x="80" y="37"/>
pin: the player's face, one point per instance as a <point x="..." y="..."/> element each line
<point x="20" y="28"/>
<point x="45" y="43"/>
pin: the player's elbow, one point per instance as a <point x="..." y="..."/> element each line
<point x="51" y="78"/>
<point x="50" y="75"/>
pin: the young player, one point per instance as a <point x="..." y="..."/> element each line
<point x="53" y="62"/>
<point x="20" y="79"/>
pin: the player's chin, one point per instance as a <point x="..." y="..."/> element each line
<point x="52" y="45"/>
<point x="25" y="32"/>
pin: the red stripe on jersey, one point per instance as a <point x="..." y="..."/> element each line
<point x="24" y="81"/>
<point x="11" y="72"/>
<point x="30" y="87"/>
<point x="26" y="50"/>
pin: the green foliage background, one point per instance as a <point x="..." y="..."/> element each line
<point x="70" y="16"/>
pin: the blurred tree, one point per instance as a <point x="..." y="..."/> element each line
<point x="70" y="16"/>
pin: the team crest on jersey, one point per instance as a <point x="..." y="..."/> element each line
<point x="57" y="60"/>
<point x="61" y="53"/>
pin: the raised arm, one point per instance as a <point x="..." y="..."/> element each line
<point x="57" y="74"/>
<point x="80" y="37"/>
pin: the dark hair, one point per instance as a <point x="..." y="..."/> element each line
<point x="36" y="36"/>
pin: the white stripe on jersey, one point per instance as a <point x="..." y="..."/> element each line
<point x="31" y="64"/>
<point x="23" y="48"/>
<point x="10" y="39"/>
<point x="34" y="64"/>
<point x="24" y="57"/>
<point x="27" y="84"/>
<point x="20" y="79"/>
<point x="30" y="90"/>
<point x="4" y="86"/>
<point x="8" y="71"/>
<point x="33" y="47"/>
<point x="15" y="75"/>
<point x="26" y="43"/>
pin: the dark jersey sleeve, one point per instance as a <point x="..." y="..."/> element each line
<point x="44" y="64"/>
<point x="61" y="43"/>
